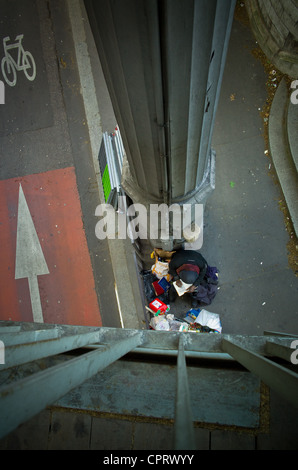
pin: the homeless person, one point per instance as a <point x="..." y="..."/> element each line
<point x="190" y="267"/>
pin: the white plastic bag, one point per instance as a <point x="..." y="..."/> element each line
<point x="160" y="323"/>
<point x="212" y="320"/>
<point x="176" y="325"/>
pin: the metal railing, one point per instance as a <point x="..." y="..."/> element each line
<point x="111" y="155"/>
<point x="25" y="343"/>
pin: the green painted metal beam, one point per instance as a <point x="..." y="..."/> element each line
<point x="282" y="380"/>
<point x="184" y="431"/>
<point x="21" y="400"/>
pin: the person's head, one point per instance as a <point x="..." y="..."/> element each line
<point x="189" y="277"/>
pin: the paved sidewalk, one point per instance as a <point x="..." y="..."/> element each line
<point x="245" y="234"/>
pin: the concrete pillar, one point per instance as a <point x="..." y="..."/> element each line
<point x="163" y="62"/>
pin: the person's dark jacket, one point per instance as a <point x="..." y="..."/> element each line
<point x="189" y="260"/>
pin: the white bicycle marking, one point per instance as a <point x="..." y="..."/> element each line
<point x="10" y="66"/>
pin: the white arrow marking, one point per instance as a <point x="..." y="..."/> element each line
<point x="30" y="261"/>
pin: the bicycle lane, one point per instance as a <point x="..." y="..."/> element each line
<point x="43" y="186"/>
<point x="42" y="240"/>
<point x="19" y="44"/>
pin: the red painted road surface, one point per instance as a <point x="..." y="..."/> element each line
<point x="67" y="293"/>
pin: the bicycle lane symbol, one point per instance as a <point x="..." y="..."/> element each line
<point x="24" y="61"/>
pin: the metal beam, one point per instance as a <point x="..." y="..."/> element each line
<point x="11" y="338"/>
<point x="280" y="334"/>
<point x="21" y="400"/>
<point x="184" y="431"/>
<point x="281" y="347"/>
<point x="216" y="356"/>
<point x="17" y="354"/>
<point x="281" y="380"/>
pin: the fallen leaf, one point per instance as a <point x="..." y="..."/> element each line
<point x="63" y="63"/>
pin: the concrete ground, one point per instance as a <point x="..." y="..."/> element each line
<point x="245" y="234"/>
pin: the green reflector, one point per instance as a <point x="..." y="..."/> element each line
<point x="106" y="183"/>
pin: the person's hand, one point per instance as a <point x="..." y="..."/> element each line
<point x="179" y="283"/>
<point x="191" y="289"/>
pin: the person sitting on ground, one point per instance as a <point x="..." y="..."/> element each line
<point x="190" y="267"/>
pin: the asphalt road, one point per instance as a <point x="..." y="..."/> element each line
<point x="52" y="266"/>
